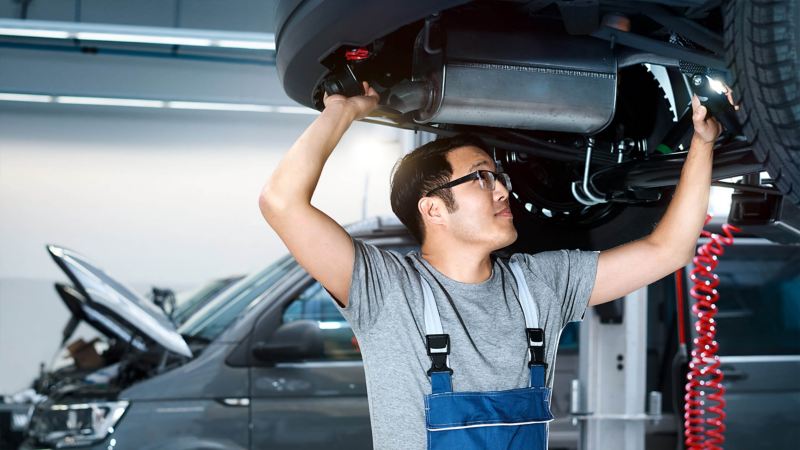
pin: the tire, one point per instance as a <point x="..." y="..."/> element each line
<point x="762" y="42"/>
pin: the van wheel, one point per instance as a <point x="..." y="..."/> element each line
<point x="762" y="41"/>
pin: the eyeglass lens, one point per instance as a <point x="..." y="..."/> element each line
<point x="487" y="180"/>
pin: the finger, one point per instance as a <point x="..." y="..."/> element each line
<point x="729" y="94"/>
<point x="699" y="113"/>
<point x="366" y="87"/>
<point x="695" y="102"/>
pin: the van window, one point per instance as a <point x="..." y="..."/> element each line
<point x="759" y="300"/>
<point x="314" y="303"/>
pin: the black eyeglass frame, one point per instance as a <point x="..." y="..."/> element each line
<point x="475" y="176"/>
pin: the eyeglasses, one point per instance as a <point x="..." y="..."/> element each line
<point x="485" y="177"/>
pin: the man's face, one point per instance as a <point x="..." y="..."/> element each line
<point x="481" y="216"/>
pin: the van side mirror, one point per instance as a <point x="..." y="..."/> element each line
<point x="293" y="341"/>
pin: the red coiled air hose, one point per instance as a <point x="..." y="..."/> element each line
<point x="704" y="415"/>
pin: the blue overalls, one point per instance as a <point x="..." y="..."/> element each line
<point x="511" y="419"/>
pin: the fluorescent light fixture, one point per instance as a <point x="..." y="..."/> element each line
<point x="137" y="34"/>
<point x="295" y="110"/>
<point x="105" y="101"/>
<point x="34" y="98"/>
<point x="154" y="103"/>
<point x="143" y="39"/>
<point x="29" y="32"/>
<point x="221" y="106"/>
<point x="255" y="45"/>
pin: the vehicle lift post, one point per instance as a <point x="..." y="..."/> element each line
<point x="608" y="399"/>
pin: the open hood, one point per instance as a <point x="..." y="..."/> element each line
<point x="105" y="296"/>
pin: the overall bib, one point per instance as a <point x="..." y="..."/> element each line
<point x="511" y="419"/>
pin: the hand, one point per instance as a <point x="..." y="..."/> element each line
<point x="360" y="105"/>
<point x="706" y="128"/>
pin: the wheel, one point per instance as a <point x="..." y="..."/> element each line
<point x="762" y="41"/>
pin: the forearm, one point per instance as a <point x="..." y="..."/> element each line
<point x="678" y="230"/>
<point x="295" y="178"/>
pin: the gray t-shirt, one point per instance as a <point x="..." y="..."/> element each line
<point x="484" y="321"/>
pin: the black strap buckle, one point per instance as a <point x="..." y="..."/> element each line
<point x="536" y="346"/>
<point x="438" y="349"/>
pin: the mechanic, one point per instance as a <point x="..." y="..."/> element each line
<point x="459" y="344"/>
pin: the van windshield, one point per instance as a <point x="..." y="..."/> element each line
<point x="189" y="302"/>
<point x="210" y="321"/>
<point x="219" y="313"/>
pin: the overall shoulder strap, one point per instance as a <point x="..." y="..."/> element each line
<point x="436" y="342"/>
<point x="534" y="332"/>
<point x="433" y="324"/>
<point x="525" y="298"/>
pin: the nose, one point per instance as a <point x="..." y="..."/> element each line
<point x="500" y="190"/>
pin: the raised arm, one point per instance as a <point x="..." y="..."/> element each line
<point x="319" y="244"/>
<point x="671" y="245"/>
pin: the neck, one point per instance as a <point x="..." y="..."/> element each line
<point x="459" y="262"/>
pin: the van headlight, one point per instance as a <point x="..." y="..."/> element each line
<point x="76" y="424"/>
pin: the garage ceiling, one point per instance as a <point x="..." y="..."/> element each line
<point x="62" y="68"/>
<point x="231" y="15"/>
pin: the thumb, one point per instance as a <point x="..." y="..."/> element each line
<point x="699" y="114"/>
<point x="372" y="93"/>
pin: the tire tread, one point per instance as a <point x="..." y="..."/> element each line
<point x="761" y="39"/>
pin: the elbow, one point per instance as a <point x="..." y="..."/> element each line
<point x="689" y="257"/>
<point x="263" y="206"/>
<point x="683" y="259"/>
<point x="673" y="256"/>
<point x="687" y="253"/>
<point x="268" y="203"/>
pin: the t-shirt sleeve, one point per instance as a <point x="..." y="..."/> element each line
<point x="571" y="275"/>
<point x="375" y="272"/>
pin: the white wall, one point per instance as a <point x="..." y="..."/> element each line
<point x="154" y="197"/>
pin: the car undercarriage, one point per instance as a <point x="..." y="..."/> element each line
<point x="586" y="104"/>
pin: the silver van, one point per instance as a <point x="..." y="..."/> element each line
<point x="271" y="363"/>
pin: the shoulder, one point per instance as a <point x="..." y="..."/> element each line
<point x="383" y="259"/>
<point x="556" y="264"/>
<point x="553" y="256"/>
<point x="532" y="261"/>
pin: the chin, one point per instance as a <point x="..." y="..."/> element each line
<point x="512" y="239"/>
<point x="509" y="239"/>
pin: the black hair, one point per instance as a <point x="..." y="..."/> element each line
<point x="422" y="170"/>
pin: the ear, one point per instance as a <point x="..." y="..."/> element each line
<point x="430" y="208"/>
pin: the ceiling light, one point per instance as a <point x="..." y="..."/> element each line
<point x="295" y="110"/>
<point x="143" y="39"/>
<point x="105" y="101"/>
<point x="137" y="34"/>
<point x="221" y="106"/>
<point x="35" y="98"/>
<point x="154" y="103"/>
<point x="27" y="32"/>
<point x="255" y="45"/>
